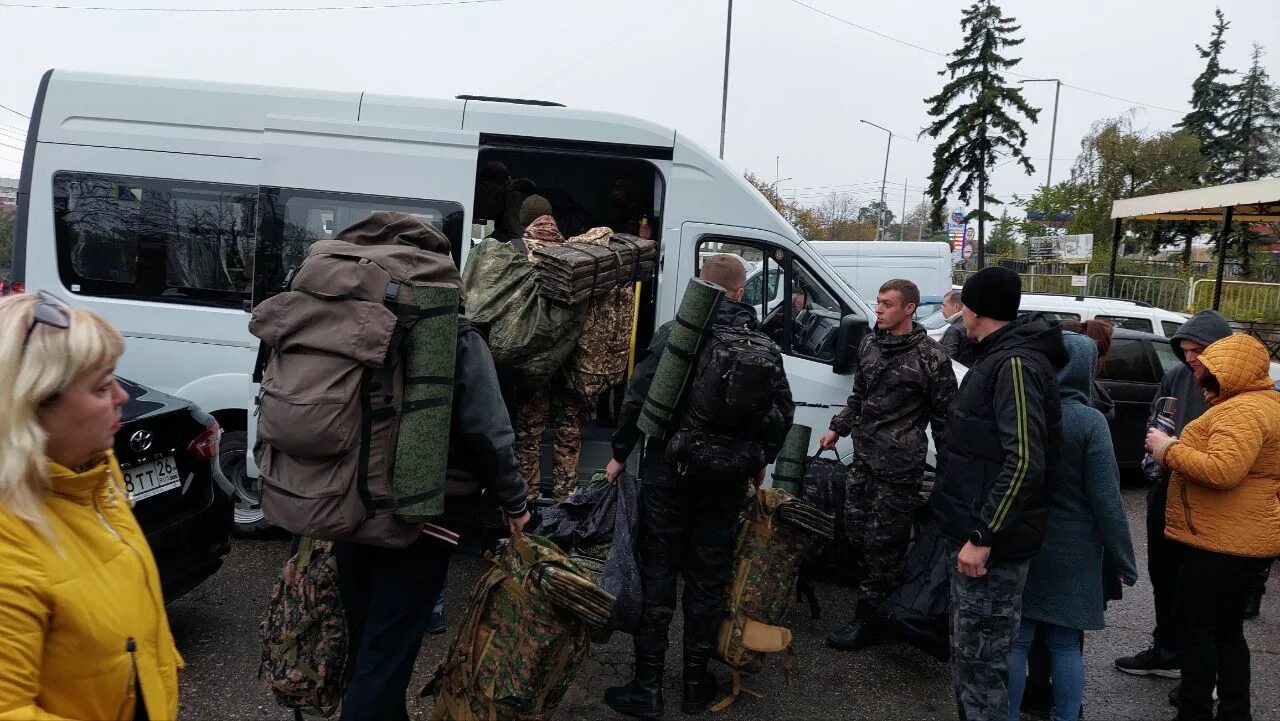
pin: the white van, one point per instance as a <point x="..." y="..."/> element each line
<point x="171" y="207"/>
<point x="866" y="265"/>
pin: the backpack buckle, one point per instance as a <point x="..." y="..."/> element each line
<point x="392" y="295"/>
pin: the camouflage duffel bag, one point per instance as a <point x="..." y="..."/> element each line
<point x="305" y="643"/>
<point x="777" y="531"/>
<point x="525" y="633"/>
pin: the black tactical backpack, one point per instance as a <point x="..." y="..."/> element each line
<point x="729" y="410"/>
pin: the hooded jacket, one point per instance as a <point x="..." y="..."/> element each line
<point x="82" y="620"/>
<point x="1086" y="516"/>
<point x="956" y="341"/>
<point x="655" y="471"/>
<point x="1005" y="435"/>
<point x="1226" y="463"/>
<point x="902" y="383"/>
<point x="1204" y="328"/>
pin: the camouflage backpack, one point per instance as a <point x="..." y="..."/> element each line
<point x="304" y="637"/>
<point x="777" y="531"/>
<point x="525" y="633"/>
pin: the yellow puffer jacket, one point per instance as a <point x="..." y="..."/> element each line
<point x="82" y="623"/>
<point x="1226" y="464"/>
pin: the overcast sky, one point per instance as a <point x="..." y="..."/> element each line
<point x="800" y="81"/>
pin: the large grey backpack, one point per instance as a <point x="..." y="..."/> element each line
<point x="356" y="371"/>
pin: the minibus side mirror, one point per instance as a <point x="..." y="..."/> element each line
<point x="853" y="329"/>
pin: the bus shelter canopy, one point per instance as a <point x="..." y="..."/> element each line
<point x="1257" y="201"/>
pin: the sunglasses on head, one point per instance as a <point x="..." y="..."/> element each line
<point x="51" y="311"/>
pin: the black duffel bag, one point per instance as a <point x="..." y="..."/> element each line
<point x="825" y="484"/>
<point x="917" y="611"/>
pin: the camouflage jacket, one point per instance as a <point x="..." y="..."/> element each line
<point x="901" y="383"/>
<point x="600" y="360"/>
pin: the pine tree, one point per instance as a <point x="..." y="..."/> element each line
<point x="979" y="109"/>
<point x="1209" y="97"/>
<point x="1252" y="122"/>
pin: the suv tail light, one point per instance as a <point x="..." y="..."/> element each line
<point x="12" y="288"/>
<point x="205" y="445"/>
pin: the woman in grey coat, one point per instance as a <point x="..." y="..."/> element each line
<point x="1063" y="595"/>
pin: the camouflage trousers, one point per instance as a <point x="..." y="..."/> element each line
<point x="570" y="410"/>
<point x="986" y="613"/>
<point x="878" y="512"/>
<point x="533" y="404"/>
<point x="567" y="410"/>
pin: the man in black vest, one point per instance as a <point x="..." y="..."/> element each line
<point x="993" y="492"/>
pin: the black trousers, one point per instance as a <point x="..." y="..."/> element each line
<point x="686" y="530"/>
<point x="388" y="595"/>
<point x="1163" y="560"/>
<point x="1213" y="589"/>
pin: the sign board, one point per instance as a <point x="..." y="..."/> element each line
<point x="957" y="217"/>
<point x="1061" y="247"/>
<point x="970" y="234"/>
<point x="968" y="252"/>
<point x="1079" y="281"/>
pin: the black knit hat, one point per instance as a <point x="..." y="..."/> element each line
<point x="993" y="292"/>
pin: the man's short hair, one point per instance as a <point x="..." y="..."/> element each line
<point x="910" y="291"/>
<point x="725" y="271"/>
<point x="952" y="296"/>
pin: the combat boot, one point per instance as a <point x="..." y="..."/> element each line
<point x="855" y="635"/>
<point x="642" y="697"/>
<point x="699" y="683"/>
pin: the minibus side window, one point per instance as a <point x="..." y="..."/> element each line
<point x="171" y="241"/>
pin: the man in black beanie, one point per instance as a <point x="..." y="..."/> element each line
<point x="991" y="499"/>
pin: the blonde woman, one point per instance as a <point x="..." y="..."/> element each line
<point x="83" y="632"/>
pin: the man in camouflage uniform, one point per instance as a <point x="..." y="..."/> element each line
<point x="991" y="499"/>
<point x="598" y="363"/>
<point x="533" y="399"/>
<point x="903" y="381"/>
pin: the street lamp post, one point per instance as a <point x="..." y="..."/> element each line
<point x="1053" y="133"/>
<point x="724" y="97"/>
<point x="883" y="178"/>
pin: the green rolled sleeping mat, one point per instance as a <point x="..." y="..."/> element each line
<point x="422" y="449"/>
<point x="679" y="357"/>
<point x="789" y="468"/>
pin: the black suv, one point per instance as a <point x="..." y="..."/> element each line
<point x="168" y="451"/>
<point x="1131" y="373"/>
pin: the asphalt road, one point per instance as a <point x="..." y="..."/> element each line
<point x="217" y="631"/>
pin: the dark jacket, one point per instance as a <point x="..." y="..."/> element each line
<point x="901" y="383"/>
<point x="1204" y="328"/>
<point x="1005" y="430"/>
<point x="956" y="342"/>
<point x="481" y="441"/>
<point x="731" y="313"/>
<point x="1086" y="517"/>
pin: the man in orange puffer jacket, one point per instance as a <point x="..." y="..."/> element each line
<point x="1223" y="508"/>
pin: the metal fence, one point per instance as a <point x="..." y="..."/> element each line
<point x="1168" y="293"/>
<point x="1268" y="333"/>
<point x="1031" y="283"/>
<point x="1241" y="300"/>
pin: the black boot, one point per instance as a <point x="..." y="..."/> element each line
<point x="1254" y="606"/>
<point x="699" y="683"/>
<point x="855" y="635"/>
<point x="642" y="697"/>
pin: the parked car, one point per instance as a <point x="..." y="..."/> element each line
<point x="1132" y="373"/>
<point x="168" y="452"/>
<point x="1127" y="314"/>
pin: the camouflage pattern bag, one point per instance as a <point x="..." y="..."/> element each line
<point x="525" y="634"/>
<point x="304" y="637"/>
<point x="777" y="531"/>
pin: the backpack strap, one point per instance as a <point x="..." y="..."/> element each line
<point x="260" y="365"/>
